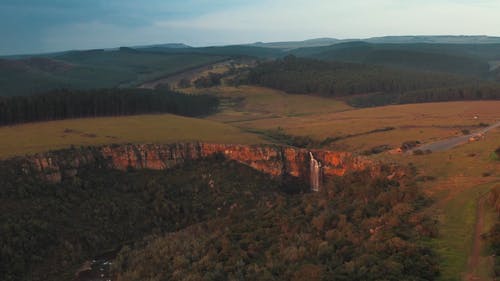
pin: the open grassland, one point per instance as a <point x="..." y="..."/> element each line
<point x="422" y="122"/>
<point x="164" y="128"/>
<point x="461" y="177"/>
<point x="257" y="103"/>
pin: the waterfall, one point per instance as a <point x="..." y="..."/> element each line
<point x="315" y="173"/>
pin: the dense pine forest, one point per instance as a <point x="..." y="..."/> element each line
<point x="65" y="104"/>
<point x="368" y="85"/>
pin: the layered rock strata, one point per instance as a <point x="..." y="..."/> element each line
<point x="278" y="161"/>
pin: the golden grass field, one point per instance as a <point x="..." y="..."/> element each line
<point x="423" y="122"/>
<point x="164" y="128"/>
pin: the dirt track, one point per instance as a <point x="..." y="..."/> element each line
<point x="478" y="242"/>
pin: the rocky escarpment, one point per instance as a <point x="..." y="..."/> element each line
<point x="278" y="161"/>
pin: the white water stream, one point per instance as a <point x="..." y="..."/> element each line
<point x="315" y="173"/>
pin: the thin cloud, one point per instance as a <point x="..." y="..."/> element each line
<point x="64" y="25"/>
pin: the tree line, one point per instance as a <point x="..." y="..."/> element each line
<point x="67" y="104"/>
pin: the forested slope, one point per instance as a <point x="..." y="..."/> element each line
<point x="463" y="59"/>
<point x="222" y="221"/>
<point x="369" y="85"/>
<point x="92" y="69"/>
<point x="358" y="230"/>
<point x="50" y="229"/>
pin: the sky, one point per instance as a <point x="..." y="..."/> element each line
<point x="35" y="26"/>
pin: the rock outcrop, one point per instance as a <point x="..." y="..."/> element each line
<point x="278" y="161"/>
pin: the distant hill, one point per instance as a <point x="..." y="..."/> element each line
<point x="93" y="69"/>
<point x="439" y="39"/>
<point x="233" y="50"/>
<point x="168" y="45"/>
<point x="464" y="59"/>
<point x="444" y="39"/>
<point x="130" y="66"/>
<point x="288" y="45"/>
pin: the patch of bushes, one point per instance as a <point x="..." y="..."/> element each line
<point x="280" y="136"/>
<point x="421" y="152"/>
<point x="211" y="80"/>
<point x="377" y="149"/>
<point x="409" y="145"/>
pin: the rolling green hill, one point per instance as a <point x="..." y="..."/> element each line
<point x="92" y="69"/>
<point x="463" y="59"/>
<point x="123" y="67"/>
<point x="233" y="50"/>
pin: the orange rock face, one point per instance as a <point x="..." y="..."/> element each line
<point x="277" y="161"/>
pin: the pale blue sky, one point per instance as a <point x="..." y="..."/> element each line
<point x="29" y="26"/>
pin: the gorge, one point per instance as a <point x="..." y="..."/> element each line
<point x="277" y="161"/>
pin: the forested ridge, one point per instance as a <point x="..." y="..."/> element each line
<point x="463" y="59"/>
<point x="66" y="104"/>
<point x="223" y="221"/>
<point x="92" y="69"/>
<point x="369" y="85"/>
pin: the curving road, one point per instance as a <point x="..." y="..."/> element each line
<point x="455" y="141"/>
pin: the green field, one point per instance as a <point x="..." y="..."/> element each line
<point x="457" y="220"/>
<point x="248" y="103"/>
<point x="459" y="183"/>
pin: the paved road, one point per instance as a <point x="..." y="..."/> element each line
<point x="455" y="141"/>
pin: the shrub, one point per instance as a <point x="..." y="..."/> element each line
<point x="418" y="152"/>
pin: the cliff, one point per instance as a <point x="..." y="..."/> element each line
<point x="278" y="161"/>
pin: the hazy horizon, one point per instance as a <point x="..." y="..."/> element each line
<point x="35" y="26"/>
